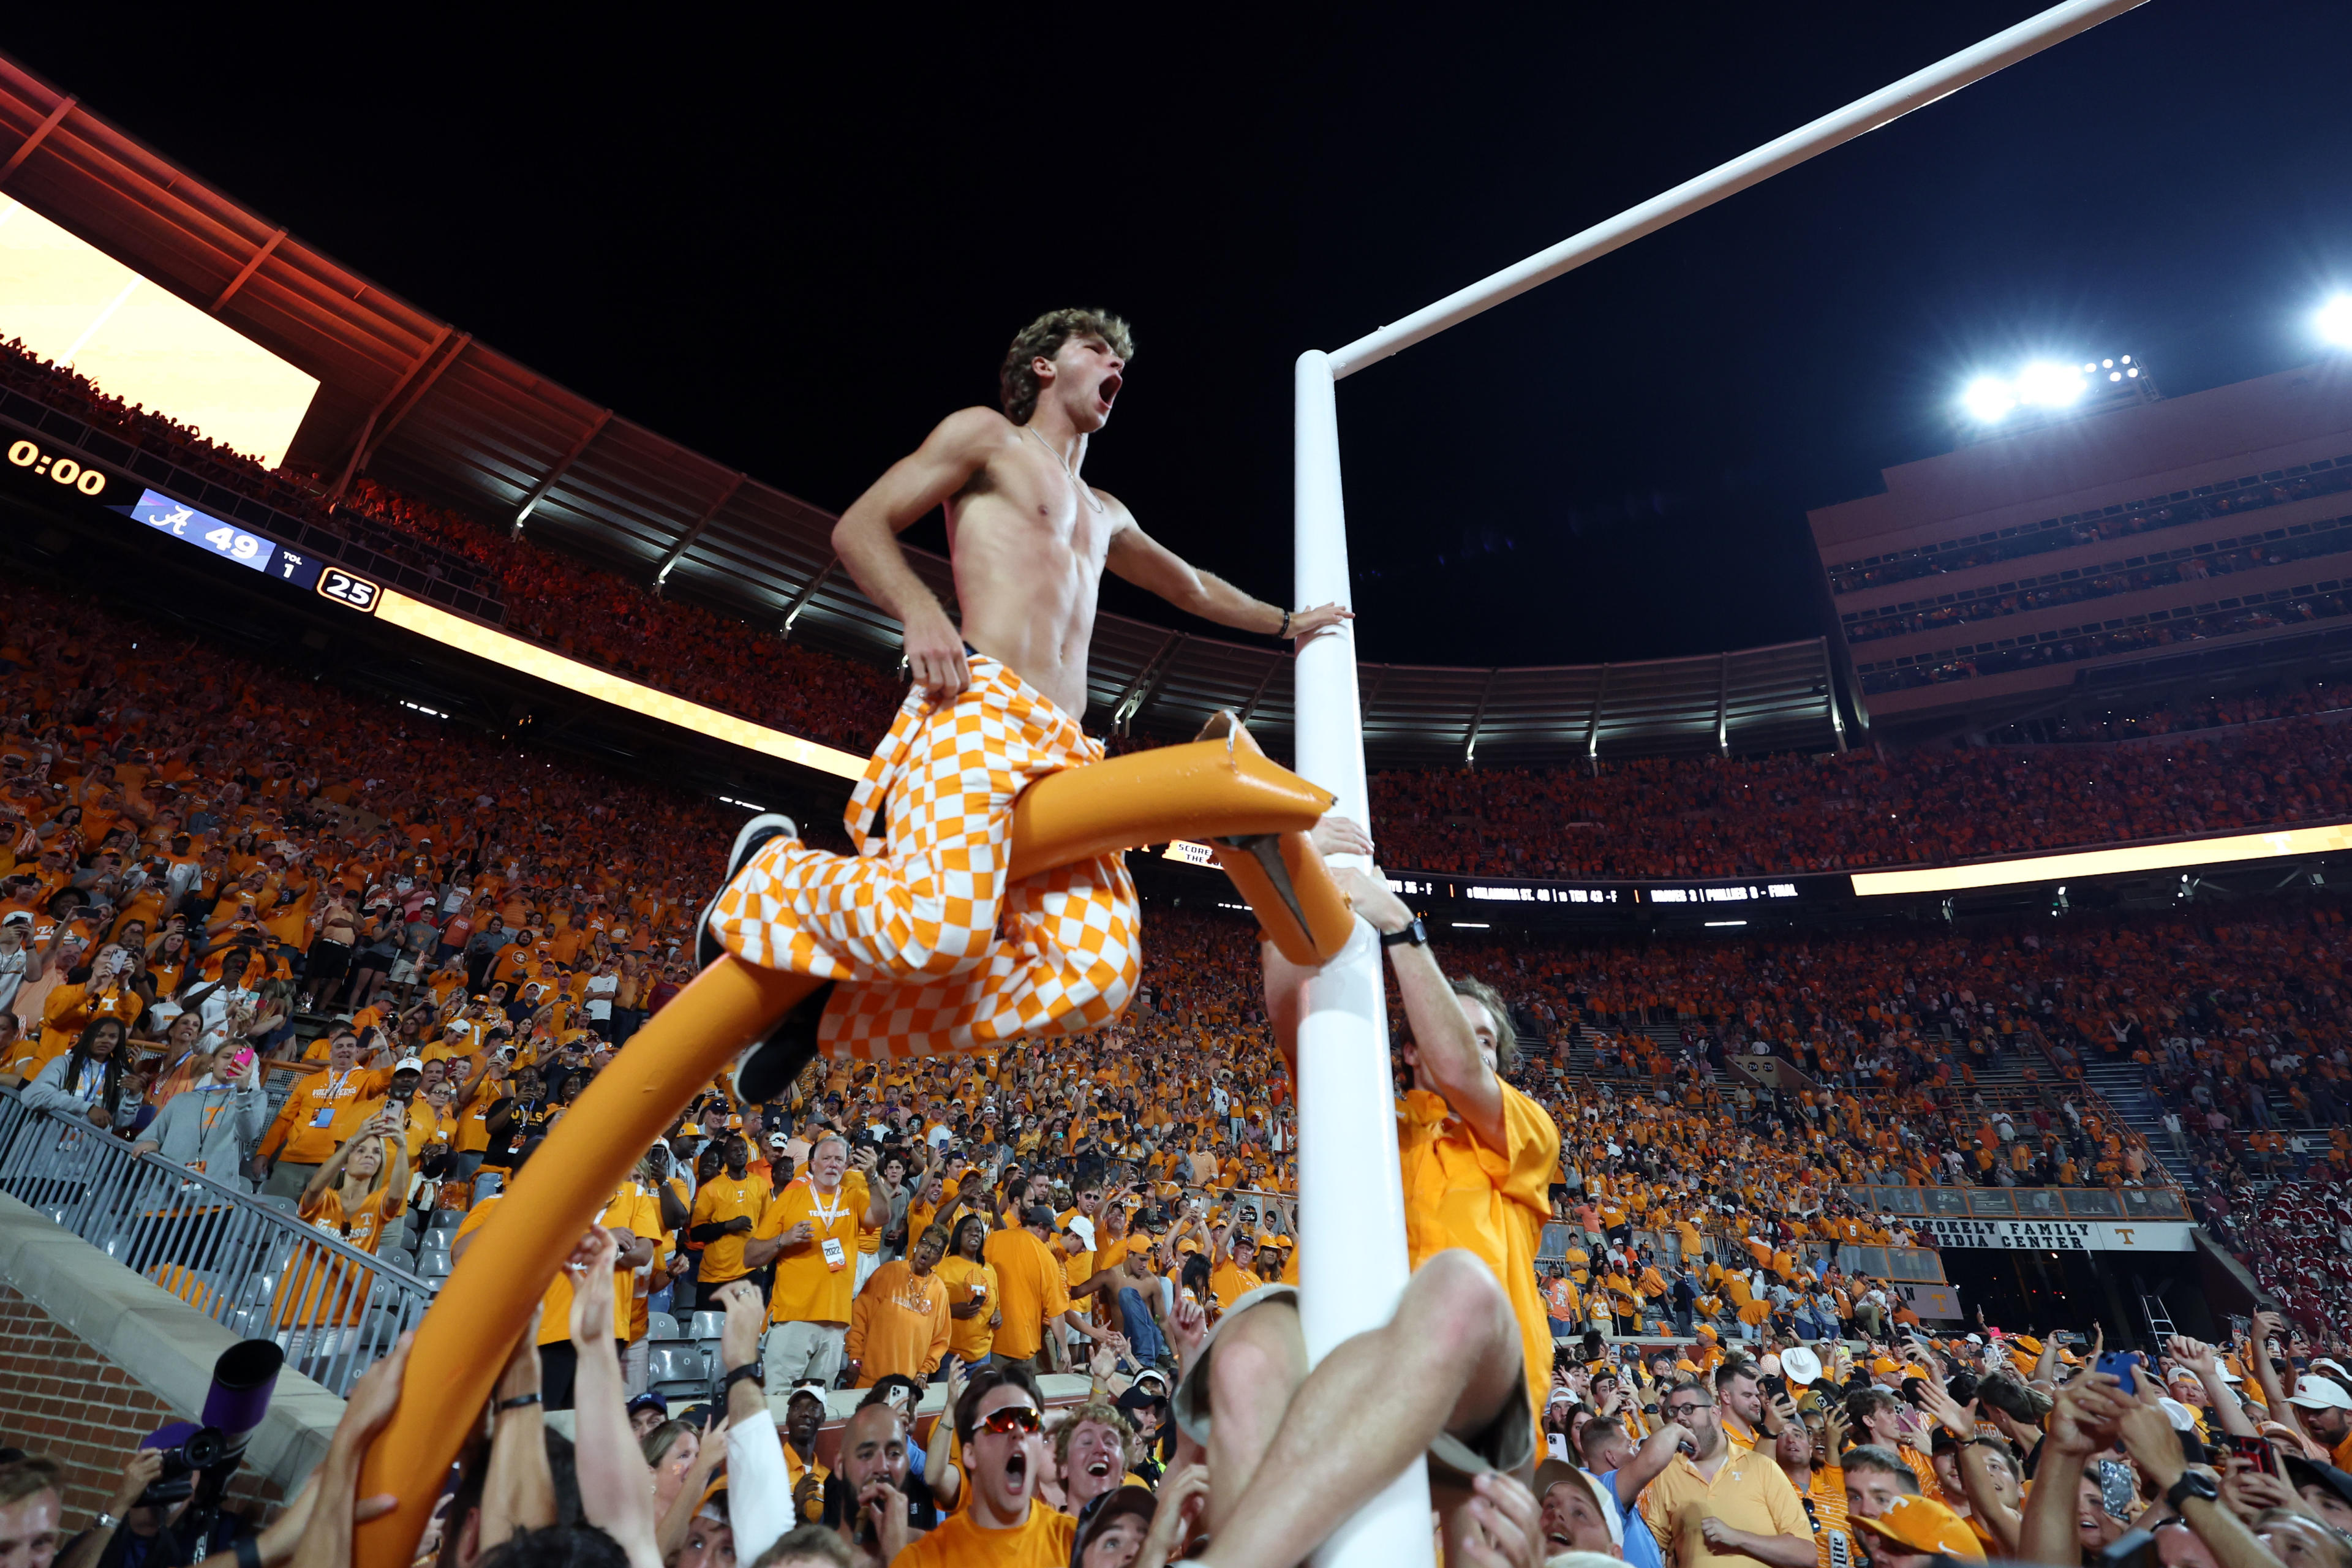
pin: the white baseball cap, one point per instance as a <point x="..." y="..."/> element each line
<point x="2319" y="1393"/>
<point x="409" y="1064"/>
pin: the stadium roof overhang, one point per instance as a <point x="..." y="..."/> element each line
<point x="430" y="409"/>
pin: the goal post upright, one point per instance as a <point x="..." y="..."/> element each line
<point x="1349" y="1192"/>
<point x="1351" y="1213"/>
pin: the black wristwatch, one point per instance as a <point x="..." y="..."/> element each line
<point x="2193" y="1483"/>
<point x="751" y="1369"/>
<point x="1415" y="934"/>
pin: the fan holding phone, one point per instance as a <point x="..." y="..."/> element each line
<point x="213" y="1126"/>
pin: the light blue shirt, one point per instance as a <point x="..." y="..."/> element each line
<point x="1641" y="1546"/>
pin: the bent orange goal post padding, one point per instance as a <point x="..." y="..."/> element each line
<point x="1223" y="790"/>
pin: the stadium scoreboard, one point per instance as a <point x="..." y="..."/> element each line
<point x="39" y="470"/>
<point x="51" y="472"/>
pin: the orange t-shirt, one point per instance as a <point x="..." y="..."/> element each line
<point x="1493" y="1201"/>
<point x="316" y="1290"/>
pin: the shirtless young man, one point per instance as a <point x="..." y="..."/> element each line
<point x="940" y="951"/>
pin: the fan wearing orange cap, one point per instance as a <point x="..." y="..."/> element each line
<point x="1915" y="1531"/>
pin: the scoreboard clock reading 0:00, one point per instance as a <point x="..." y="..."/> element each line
<point x="177" y="519"/>
<point x="67" y="472"/>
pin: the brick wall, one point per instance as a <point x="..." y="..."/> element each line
<point x="61" y="1398"/>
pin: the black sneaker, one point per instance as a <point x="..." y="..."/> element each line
<point x="765" y="1071"/>
<point x="767" y="825"/>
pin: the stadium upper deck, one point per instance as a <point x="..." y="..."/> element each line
<point x="427" y="409"/>
<point x="1984" y="580"/>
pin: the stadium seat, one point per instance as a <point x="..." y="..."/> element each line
<point x="677" y="1372"/>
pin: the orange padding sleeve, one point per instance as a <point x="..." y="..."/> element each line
<point x="1315" y="931"/>
<point x="1202" y="790"/>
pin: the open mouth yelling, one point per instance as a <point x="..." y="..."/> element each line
<point x="1560" y="1543"/>
<point x="1099" y="1468"/>
<point x="1108" y="390"/>
<point x="1016" y="1468"/>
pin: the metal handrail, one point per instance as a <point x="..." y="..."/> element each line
<point x="244" y="1262"/>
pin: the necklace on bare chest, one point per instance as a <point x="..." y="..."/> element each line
<point x="1083" y="490"/>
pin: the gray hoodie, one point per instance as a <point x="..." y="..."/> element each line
<point x="211" y="1131"/>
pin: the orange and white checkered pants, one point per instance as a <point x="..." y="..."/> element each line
<point x="938" y="950"/>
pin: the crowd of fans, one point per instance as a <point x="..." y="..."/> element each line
<point x="1657" y="818"/>
<point x="2160" y="629"/>
<point x="1652" y="818"/>
<point x="206" y="865"/>
<point x="2125" y="520"/>
<point x="2196" y="564"/>
<point x="2163" y="717"/>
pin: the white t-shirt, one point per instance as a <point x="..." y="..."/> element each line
<point x="601" y="989"/>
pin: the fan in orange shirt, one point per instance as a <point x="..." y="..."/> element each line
<point x="1453" y="1374"/>
<point x="360" y="1188"/>
<point x="899" y="1322"/>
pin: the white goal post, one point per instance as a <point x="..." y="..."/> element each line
<point x="1351" y="1208"/>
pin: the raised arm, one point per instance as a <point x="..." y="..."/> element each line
<point x="1441" y="1035"/>
<point x="1138" y="558"/>
<point x="615" y="1491"/>
<point x="866" y="539"/>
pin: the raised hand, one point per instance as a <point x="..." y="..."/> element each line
<point x="1505" y="1524"/>
<point x="747" y="1316"/>
<point x="1189" y="1325"/>
<point x="1960" y="1420"/>
<point x="1183" y="1500"/>
<point x="592" y="1287"/>
<point x="2083" y="1420"/>
<point x="1337" y="834"/>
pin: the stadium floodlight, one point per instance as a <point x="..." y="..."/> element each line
<point x="2048" y="384"/>
<point x="1989" y="399"/>
<point x="2333" y="320"/>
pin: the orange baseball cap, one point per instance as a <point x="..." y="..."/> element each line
<point x="1925" y="1526"/>
<point x="1880" y="1365"/>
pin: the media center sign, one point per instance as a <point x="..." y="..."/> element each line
<point x="2061" y="1234"/>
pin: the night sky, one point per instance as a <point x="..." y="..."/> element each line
<point x="796" y="247"/>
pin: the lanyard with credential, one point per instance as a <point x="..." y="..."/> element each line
<point x="836" y="1256"/>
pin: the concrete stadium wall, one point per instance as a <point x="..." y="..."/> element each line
<point x="93" y="1358"/>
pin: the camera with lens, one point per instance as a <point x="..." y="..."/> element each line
<point x="197" y="1469"/>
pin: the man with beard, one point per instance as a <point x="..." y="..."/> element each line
<point x="871" y="1499"/>
<point x="809" y="1231"/>
<point x="1739" y="1395"/>
<point x="726" y="1211"/>
<point x="1714" y="1507"/>
<point x="1006" y="1526"/>
<point x="772" y="1485"/>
